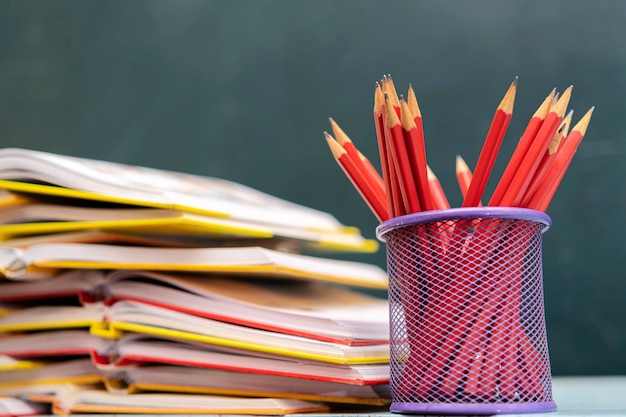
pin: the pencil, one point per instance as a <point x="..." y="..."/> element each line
<point x="555" y="172"/>
<point x="417" y="156"/>
<point x="439" y="199"/>
<point x="373" y="200"/>
<point x="521" y="149"/>
<point x="373" y="171"/>
<point x="520" y="181"/>
<point x="491" y="147"/>
<point x="463" y="175"/>
<point x="370" y="176"/>
<point x="547" y="158"/>
<point x="389" y="172"/>
<point x="400" y="157"/>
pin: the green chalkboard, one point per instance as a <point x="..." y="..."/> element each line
<point x="242" y="90"/>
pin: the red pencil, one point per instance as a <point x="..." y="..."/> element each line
<point x="547" y="158"/>
<point x="519" y="184"/>
<point x="440" y="202"/>
<point x="490" y="148"/>
<point x="522" y="148"/>
<point x="555" y="172"/>
<point x="417" y="156"/>
<point x="400" y="157"/>
<point x="373" y="200"/>
<point x="463" y="175"/>
<point x="392" y="187"/>
<point x="371" y="176"/>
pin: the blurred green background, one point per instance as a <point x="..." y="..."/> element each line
<point x="242" y="90"/>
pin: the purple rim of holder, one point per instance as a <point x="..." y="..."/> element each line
<point x="462" y="213"/>
<point x="458" y="214"/>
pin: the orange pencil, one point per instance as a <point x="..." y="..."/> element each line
<point x="519" y="184"/>
<point x="542" y="197"/>
<point x="400" y="157"/>
<point x="392" y="187"/>
<point x="547" y="158"/>
<point x="373" y="200"/>
<point x="490" y="148"/>
<point x="344" y="140"/>
<point x="417" y="156"/>
<point x="522" y="148"/>
<point x="463" y="175"/>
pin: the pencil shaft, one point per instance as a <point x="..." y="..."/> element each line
<point x="490" y="149"/>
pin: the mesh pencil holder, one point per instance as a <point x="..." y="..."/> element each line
<point x="468" y="332"/>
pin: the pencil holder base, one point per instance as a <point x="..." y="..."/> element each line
<point x="472" y="409"/>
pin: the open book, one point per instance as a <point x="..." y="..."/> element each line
<point x="134" y="349"/>
<point x="128" y="316"/>
<point x="325" y="312"/>
<point x="42" y="173"/>
<point x="68" y="398"/>
<point x="247" y="261"/>
<point x="15" y="407"/>
<point x="79" y="371"/>
<point x="36" y="218"/>
<point x="172" y="378"/>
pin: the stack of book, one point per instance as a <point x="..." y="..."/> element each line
<point x="134" y="290"/>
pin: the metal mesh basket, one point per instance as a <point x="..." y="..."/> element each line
<point x="468" y="331"/>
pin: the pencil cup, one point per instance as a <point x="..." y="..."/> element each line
<point x="468" y="332"/>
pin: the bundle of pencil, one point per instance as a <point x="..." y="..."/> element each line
<point x="405" y="186"/>
<point x="408" y="185"/>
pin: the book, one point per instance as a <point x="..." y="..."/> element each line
<point x="43" y="218"/>
<point x="132" y="349"/>
<point x="68" y="398"/>
<point x="247" y="261"/>
<point x="33" y="172"/>
<point x="172" y="378"/>
<point x="137" y="349"/>
<point x="80" y="371"/>
<point x="325" y="312"/>
<point x="16" y="407"/>
<point x="130" y="316"/>
<point x="51" y="317"/>
<point x="52" y="343"/>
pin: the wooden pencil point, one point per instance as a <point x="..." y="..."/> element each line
<point x="560" y="107"/>
<point x="406" y="117"/>
<point x="412" y="102"/>
<point x="340" y="135"/>
<point x="391" y="118"/>
<point x="544" y="108"/>
<point x="378" y="100"/>
<point x="336" y="149"/>
<point x="431" y="174"/>
<point x="391" y="90"/>
<point x="461" y="165"/>
<point x="506" y="105"/>
<point x="583" y="123"/>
